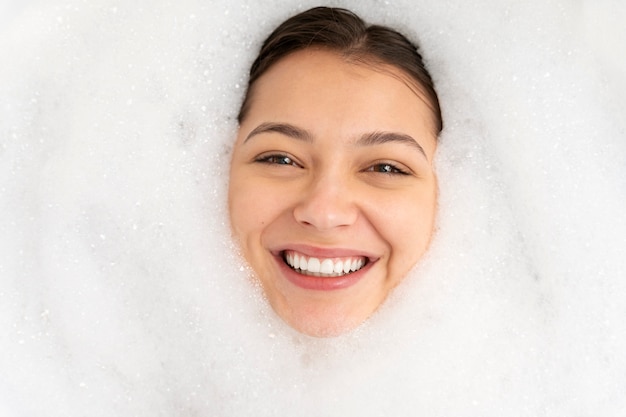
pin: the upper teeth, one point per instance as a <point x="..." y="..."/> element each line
<point x="323" y="266"/>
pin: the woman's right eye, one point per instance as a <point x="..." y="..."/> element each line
<point x="276" y="159"/>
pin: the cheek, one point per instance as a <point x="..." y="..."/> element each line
<point x="242" y="218"/>
<point x="407" y="225"/>
<point x="252" y="208"/>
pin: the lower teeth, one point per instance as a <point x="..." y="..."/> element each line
<point x="319" y="274"/>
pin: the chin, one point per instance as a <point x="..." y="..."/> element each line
<point x="321" y="321"/>
<point x="315" y="328"/>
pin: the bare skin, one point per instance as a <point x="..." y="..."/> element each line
<point x="332" y="168"/>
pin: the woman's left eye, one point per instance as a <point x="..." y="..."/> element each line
<point x="387" y="168"/>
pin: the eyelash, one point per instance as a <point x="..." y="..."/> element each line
<point x="390" y="170"/>
<point x="272" y="159"/>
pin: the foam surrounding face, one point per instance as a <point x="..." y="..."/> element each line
<point x="121" y="292"/>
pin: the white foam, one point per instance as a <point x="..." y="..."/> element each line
<point x="120" y="293"/>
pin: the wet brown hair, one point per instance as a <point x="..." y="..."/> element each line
<point x="342" y="31"/>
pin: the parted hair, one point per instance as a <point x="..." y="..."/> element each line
<point x="346" y="33"/>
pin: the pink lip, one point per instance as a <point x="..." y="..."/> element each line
<point x="308" y="282"/>
<point x="324" y="252"/>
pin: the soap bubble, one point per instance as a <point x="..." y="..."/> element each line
<point x="121" y="292"/>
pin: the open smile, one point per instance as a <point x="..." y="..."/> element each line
<point x="323" y="267"/>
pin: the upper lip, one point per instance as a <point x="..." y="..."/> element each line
<point x="321" y="252"/>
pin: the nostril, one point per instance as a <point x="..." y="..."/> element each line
<point x="325" y="214"/>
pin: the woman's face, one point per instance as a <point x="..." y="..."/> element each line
<point x="332" y="191"/>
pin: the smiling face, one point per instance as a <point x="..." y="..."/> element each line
<point x="332" y="193"/>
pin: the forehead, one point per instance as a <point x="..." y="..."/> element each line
<point x="319" y="79"/>
<point x="311" y="60"/>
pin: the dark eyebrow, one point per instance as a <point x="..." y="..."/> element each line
<point x="379" y="138"/>
<point x="282" y="128"/>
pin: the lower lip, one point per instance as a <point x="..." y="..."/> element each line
<point x="309" y="282"/>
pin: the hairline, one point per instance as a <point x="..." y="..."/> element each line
<point x="353" y="56"/>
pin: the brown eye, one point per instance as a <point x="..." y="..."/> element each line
<point x="387" y="168"/>
<point x="276" y="159"/>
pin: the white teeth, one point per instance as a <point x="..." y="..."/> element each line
<point x="327" y="267"/>
<point x="313" y="265"/>
<point x="323" y="267"/>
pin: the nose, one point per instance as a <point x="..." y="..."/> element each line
<point x="326" y="203"/>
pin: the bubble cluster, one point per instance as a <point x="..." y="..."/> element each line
<point x="121" y="292"/>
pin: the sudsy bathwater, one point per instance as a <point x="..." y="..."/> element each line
<point x="121" y="292"/>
